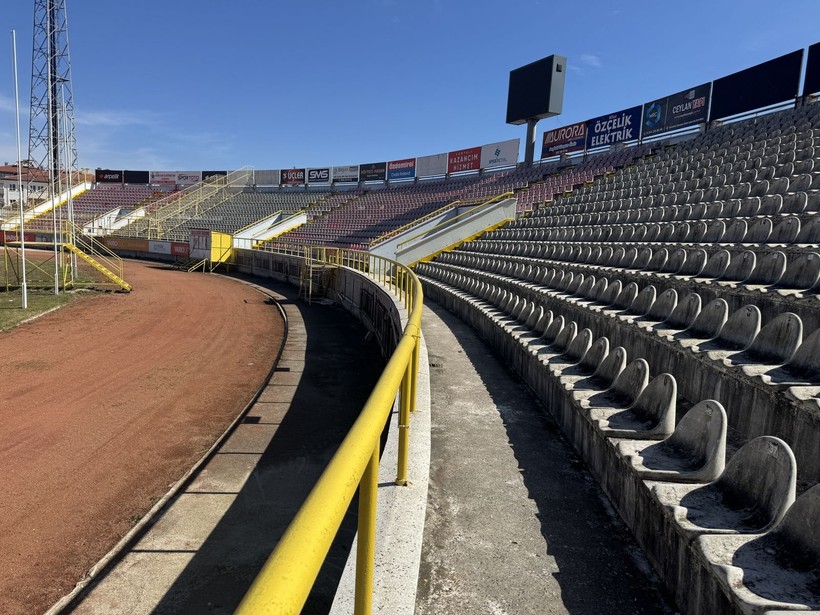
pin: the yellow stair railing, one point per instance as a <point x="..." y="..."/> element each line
<point x="98" y="266"/>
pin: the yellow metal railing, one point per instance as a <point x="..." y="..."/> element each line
<point x="283" y="584"/>
<point x="397" y="231"/>
<point x="449" y="221"/>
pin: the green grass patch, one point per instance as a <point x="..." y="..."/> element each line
<point x="11" y="314"/>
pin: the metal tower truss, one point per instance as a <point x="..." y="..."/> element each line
<point x="52" y="142"/>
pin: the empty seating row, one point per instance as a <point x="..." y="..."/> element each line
<point x="619" y="420"/>
<point x="771" y="362"/>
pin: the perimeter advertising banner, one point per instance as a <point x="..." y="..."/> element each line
<point x="266" y="177"/>
<point x="126" y="244"/>
<point x="811" y="83"/>
<point x="136" y="177"/>
<point x="431" y="165"/>
<point x="679" y="110"/>
<point x="401" y="169"/>
<point x="502" y="154"/>
<point x="292" y="177"/>
<point x="373" y="171"/>
<point x="464" y="160"/>
<point x="348" y="174"/>
<point x="180" y="249"/>
<point x="208" y="174"/>
<point x="566" y="139"/>
<point x="163" y="178"/>
<point x="159" y="247"/>
<point x="188" y="178"/>
<point x="614" y="128"/>
<point x="107" y="176"/>
<point x="319" y="176"/>
<point x="766" y="84"/>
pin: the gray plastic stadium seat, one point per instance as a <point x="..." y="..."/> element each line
<point x="759" y="231"/>
<point x="544" y="321"/>
<point x="694" y="263"/>
<point x="749" y="207"/>
<point x="536" y="313"/>
<point x="624" y="389"/>
<point x="810" y="233"/>
<point x="681" y="233"/>
<point x="775" y="571"/>
<point x="675" y="262"/>
<point x="794" y="203"/>
<point x="804" y="366"/>
<point x="663" y="306"/>
<point x="552" y="331"/>
<point x="613" y="290"/>
<point x="658" y="260"/>
<point x="684" y="313"/>
<point x="740" y="268"/>
<point x="714" y="232"/>
<point x="604" y="375"/>
<point x="802" y="273"/>
<point x="739" y="331"/>
<point x="628" y="258"/>
<point x="775" y="343"/>
<point x="593" y="357"/>
<point x="735" y="232"/>
<point x="768" y="270"/>
<point x="716" y="265"/>
<point x="642" y="259"/>
<point x="709" y="321"/>
<point x="694" y="453"/>
<point x="697" y="232"/>
<point x="751" y="495"/>
<point x="651" y="413"/>
<point x="771" y="205"/>
<point x="598" y="289"/>
<point x="643" y="301"/>
<point x="786" y="231"/>
<point x="565" y="337"/>
<point x="575" y="283"/>
<point x="585" y="287"/>
<point x="578" y="347"/>
<point x="626" y="297"/>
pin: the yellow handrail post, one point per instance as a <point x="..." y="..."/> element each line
<point x="404" y="426"/>
<point x="415" y="367"/>
<point x="366" y="547"/>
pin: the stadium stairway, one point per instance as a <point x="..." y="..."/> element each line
<point x="98" y="266"/>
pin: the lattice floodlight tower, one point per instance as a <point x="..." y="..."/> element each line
<point x="52" y="143"/>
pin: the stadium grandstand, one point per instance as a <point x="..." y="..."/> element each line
<point x="653" y="279"/>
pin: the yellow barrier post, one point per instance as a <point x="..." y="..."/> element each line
<point x="366" y="547"/>
<point x="414" y="361"/>
<point x="404" y="426"/>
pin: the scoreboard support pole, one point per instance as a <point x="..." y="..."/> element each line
<point x="529" y="144"/>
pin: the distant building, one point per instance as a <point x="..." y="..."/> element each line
<point x="34" y="179"/>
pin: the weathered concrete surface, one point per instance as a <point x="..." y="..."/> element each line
<point x="515" y="523"/>
<point x="206" y="547"/>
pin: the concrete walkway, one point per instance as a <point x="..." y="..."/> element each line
<point x="515" y="524"/>
<point x="200" y="552"/>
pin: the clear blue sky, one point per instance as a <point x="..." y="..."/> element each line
<point x="178" y="85"/>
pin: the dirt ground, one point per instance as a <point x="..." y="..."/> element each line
<point x="104" y="405"/>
